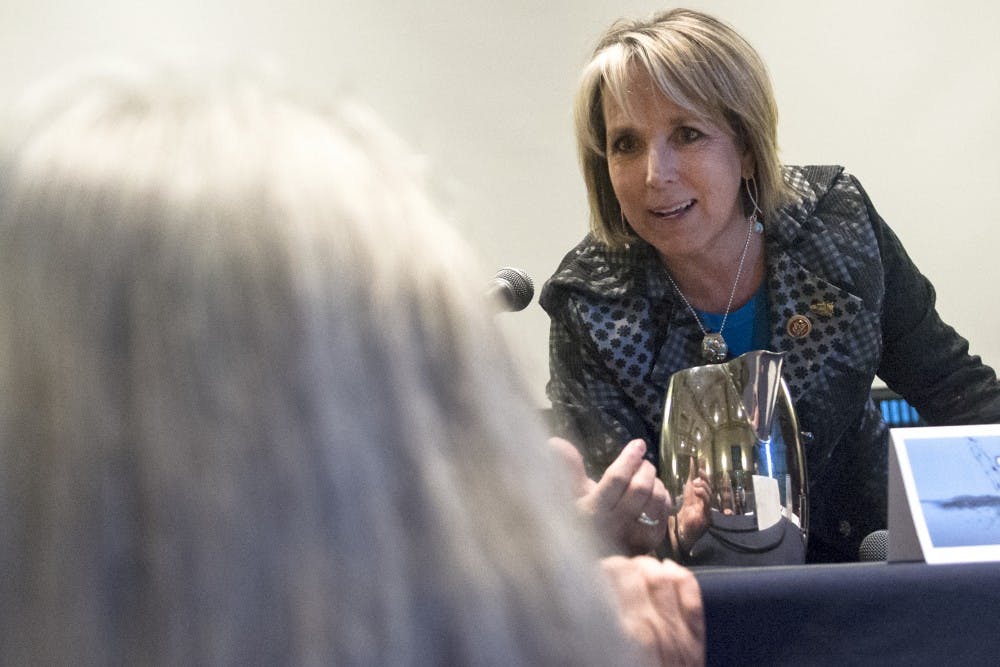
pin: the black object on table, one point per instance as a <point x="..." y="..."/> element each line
<point x="853" y="614"/>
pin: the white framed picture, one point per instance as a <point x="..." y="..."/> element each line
<point x="944" y="494"/>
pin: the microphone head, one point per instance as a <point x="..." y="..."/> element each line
<point x="874" y="547"/>
<point x="517" y="287"/>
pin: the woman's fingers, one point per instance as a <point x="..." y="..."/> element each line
<point x="619" y="479"/>
<point x="660" y="608"/>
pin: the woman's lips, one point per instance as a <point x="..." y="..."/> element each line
<point x="673" y="211"/>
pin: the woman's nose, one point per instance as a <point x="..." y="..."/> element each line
<point x="661" y="164"/>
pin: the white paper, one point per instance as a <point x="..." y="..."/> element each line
<point x="768" y="499"/>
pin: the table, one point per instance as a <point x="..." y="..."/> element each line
<point x="853" y="613"/>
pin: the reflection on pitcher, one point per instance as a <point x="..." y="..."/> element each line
<point x="731" y="453"/>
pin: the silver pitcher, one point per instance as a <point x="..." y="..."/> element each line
<point x="733" y="425"/>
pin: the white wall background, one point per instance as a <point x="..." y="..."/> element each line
<point x="905" y="94"/>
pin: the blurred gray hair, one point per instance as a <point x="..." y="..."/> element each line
<point x="253" y="410"/>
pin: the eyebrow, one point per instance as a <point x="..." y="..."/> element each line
<point x="624" y="124"/>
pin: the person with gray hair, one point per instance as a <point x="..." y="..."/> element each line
<point x="252" y="412"/>
<point x="702" y="247"/>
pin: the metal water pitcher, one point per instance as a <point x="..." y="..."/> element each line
<point x="733" y="426"/>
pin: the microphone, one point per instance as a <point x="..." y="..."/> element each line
<point x="874" y="547"/>
<point x="510" y="290"/>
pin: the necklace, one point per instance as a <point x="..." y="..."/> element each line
<point x="713" y="345"/>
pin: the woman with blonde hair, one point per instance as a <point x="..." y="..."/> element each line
<point x="703" y="246"/>
<point x="252" y="411"/>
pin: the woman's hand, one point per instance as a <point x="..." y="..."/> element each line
<point x="629" y="503"/>
<point x="660" y="608"/>
<point x="692" y="519"/>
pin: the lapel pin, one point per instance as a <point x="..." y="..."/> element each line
<point x="799" y="326"/>
<point x="822" y="308"/>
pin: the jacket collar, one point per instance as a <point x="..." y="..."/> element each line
<point x="809" y="186"/>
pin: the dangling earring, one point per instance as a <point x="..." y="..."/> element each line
<point x="626" y="230"/>
<point x="758" y="226"/>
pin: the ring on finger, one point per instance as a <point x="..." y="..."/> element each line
<point x="647" y="520"/>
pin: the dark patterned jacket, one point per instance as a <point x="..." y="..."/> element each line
<point x="618" y="332"/>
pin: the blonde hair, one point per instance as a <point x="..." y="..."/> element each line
<point x="702" y="65"/>
<point x="251" y="408"/>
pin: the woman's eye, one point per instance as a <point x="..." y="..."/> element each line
<point x="689" y="135"/>
<point x="624" y="144"/>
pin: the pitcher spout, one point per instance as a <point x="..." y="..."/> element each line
<point x="759" y="374"/>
